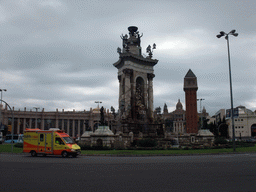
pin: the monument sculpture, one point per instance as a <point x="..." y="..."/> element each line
<point x="135" y="75"/>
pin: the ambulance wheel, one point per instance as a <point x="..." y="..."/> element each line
<point x="33" y="154"/>
<point x="64" y="154"/>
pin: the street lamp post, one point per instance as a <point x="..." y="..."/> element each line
<point x="222" y="33"/>
<point x="201" y="112"/>
<point x="1" y="106"/>
<point x="99" y="108"/>
<point x="36" y="115"/>
<point x="12" y="121"/>
<point x="2" y="94"/>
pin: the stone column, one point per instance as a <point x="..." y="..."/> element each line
<point x="42" y="120"/>
<point x="30" y="122"/>
<point x="78" y="124"/>
<point x="73" y="128"/>
<point x="18" y="126"/>
<point x="83" y="126"/>
<point x="57" y="119"/>
<point x="91" y="118"/>
<point x="150" y="94"/>
<point x="24" y="124"/>
<point x="42" y="123"/>
<point x="62" y="124"/>
<point x="57" y="123"/>
<point x="91" y="124"/>
<point x="68" y="127"/>
<point x="127" y="89"/>
<point x="120" y="90"/>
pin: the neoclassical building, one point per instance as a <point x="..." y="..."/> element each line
<point x="75" y="123"/>
<point x="244" y="123"/>
<point x="176" y="119"/>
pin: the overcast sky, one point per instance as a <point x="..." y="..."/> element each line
<point x="60" y="53"/>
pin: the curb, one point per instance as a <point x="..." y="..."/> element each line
<point x="146" y="155"/>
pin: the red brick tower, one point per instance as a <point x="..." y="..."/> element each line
<point x="190" y="88"/>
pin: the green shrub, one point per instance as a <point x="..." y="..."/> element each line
<point x="220" y="140"/>
<point x="19" y="145"/>
<point x="147" y="143"/>
<point x="88" y="147"/>
<point x="173" y="148"/>
<point x="85" y="147"/>
<point x="100" y="148"/>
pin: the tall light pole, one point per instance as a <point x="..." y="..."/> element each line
<point x="222" y="33"/>
<point x="98" y="103"/>
<point x="1" y="106"/>
<point x="201" y="112"/>
<point x="36" y="115"/>
<point x="99" y="108"/>
<point x="2" y="94"/>
<point x="12" y="121"/>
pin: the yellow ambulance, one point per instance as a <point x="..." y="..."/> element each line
<point x="49" y="142"/>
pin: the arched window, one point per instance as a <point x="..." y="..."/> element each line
<point x="253" y="130"/>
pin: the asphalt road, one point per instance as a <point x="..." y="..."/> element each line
<point x="236" y="172"/>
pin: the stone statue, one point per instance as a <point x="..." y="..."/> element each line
<point x="138" y="37"/>
<point x="113" y="111"/>
<point x="102" y="118"/>
<point x="150" y="51"/>
<point x="125" y="39"/>
<point x="119" y="50"/>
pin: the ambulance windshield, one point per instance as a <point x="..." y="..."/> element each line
<point x="68" y="140"/>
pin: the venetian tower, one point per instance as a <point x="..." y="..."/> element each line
<point x="190" y="88"/>
<point x="135" y="75"/>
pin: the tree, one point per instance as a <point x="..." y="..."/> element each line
<point x="4" y="129"/>
<point x="158" y="110"/>
<point x="223" y="130"/>
<point x="205" y="123"/>
<point x="224" y="120"/>
<point x="212" y="127"/>
<point x="113" y="111"/>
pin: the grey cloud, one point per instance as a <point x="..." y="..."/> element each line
<point x="50" y="46"/>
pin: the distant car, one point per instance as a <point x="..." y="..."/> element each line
<point x="16" y="138"/>
<point x="252" y="140"/>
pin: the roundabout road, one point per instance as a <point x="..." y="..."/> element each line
<point x="231" y="172"/>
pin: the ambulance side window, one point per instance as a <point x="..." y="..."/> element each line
<point x="41" y="137"/>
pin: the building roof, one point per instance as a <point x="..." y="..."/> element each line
<point x="179" y="105"/>
<point x="190" y="73"/>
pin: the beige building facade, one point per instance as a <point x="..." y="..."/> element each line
<point x="177" y="118"/>
<point x="244" y="124"/>
<point x="75" y="123"/>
